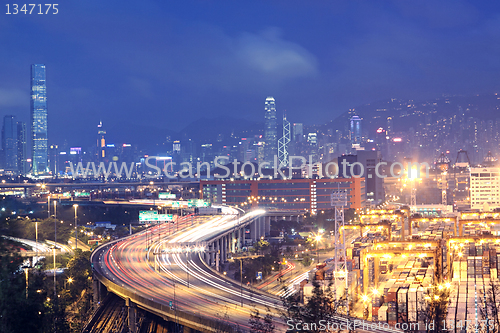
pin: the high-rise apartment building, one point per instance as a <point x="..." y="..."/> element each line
<point x="355" y="132"/>
<point x="485" y="188"/>
<point x="22" y="155"/>
<point x="38" y="119"/>
<point x="298" y="132"/>
<point x="53" y="160"/>
<point x="101" y="142"/>
<point x="270" y="131"/>
<point x="9" y="144"/>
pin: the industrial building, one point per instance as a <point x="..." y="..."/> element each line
<point x="485" y="188"/>
<point x="290" y="194"/>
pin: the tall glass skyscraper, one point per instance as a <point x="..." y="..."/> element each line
<point x="22" y="164"/>
<point x="9" y="144"/>
<point x="270" y="131"/>
<point x="355" y="131"/>
<point x="39" y="120"/>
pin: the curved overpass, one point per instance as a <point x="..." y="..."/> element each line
<point x="173" y="270"/>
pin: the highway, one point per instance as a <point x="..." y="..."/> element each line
<point x="183" y="278"/>
<point x="158" y="266"/>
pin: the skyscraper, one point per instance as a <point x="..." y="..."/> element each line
<point x="39" y="120"/>
<point x="22" y="164"/>
<point x="355" y="132"/>
<point x="270" y="131"/>
<point x="101" y="142"/>
<point x="298" y="132"/>
<point x="9" y="143"/>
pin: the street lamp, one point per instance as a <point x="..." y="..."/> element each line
<point x="55" y="240"/>
<point x="318" y="239"/>
<point x="36" y="241"/>
<point x="76" y="226"/>
<point x="69" y="280"/>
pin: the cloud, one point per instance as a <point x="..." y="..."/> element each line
<point x="205" y="58"/>
<point x="271" y="55"/>
<point x="13" y="97"/>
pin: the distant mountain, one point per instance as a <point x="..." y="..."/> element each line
<point x="207" y="130"/>
<point x="156" y="139"/>
<point x="145" y="136"/>
<point x="408" y="113"/>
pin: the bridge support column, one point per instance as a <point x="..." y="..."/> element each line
<point x="233" y="242"/>
<point x="241" y="241"/>
<point x="257" y="230"/>
<point x="253" y="231"/>
<point x="226" y="248"/>
<point x="212" y="254"/>
<point x="132" y="314"/>
<point x="96" y="288"/>
<point x="207" y="255"/>
<point x="217" y="253"/>
<point x="223" y="249"/>
<point x="268" y="225"/>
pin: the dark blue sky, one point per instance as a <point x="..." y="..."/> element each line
<point x="167" y="63"/>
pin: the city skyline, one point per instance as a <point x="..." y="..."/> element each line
<point x="341" y="56"/>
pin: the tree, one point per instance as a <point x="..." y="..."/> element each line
<point x="489" y="310"/>
<point x="259" y="324"/>
<point x="25" y="305"/>
<point x="261" y="245"/>
<point x="436" y="308"/>
<point x="80" y="289"/>
<point x="322" y="306"/>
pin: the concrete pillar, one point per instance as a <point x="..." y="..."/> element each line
<point x="223" y="249"/>
<point x="217" y="253"/>
<point x="207" y="255"/>
<point x="268" y="225"/>
<point x="212" y="254"/>
<point x="253" y="231"/>
<point x="132" y="314"/>
<point x="226" y="248"/>
<point x="241" y="241"/>
<point x="96" y="292"/>
<point x="257" y="231"/>
<point x="233" y="242"/>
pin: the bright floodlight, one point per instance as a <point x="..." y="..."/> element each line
<point x="318" y="238"/>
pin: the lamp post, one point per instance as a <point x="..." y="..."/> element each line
<point x="36" y="242"/>
<point x="76" y="226"/>
<point x="318" y="239"/>
<point x="241" y="280"/>
<point x="70" y="280"/>
<point x="55" y="240"/>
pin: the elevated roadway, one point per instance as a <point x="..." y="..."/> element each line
<point x="171" y="278"/>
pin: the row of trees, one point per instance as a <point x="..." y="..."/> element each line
<point x="27" y="299"/>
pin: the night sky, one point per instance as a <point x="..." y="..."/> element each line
<point x="167" y="63"/>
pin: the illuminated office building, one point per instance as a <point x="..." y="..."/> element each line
<point x="38" y="117"/>
<point x="270" y="131"/>
<point x="9" y="144"/>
